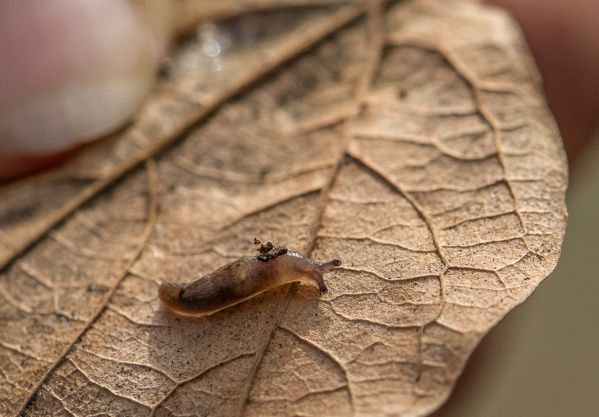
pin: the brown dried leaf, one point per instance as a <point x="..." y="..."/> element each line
<point x="412" y="141"/>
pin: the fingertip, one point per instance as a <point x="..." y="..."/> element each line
<point x="72" y="72"/>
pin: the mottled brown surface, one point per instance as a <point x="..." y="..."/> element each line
<point x="412" y="142"/>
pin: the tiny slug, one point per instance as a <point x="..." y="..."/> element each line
<point x="242" y="279"/>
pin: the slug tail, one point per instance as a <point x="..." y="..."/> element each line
<point x="170" y="293"/>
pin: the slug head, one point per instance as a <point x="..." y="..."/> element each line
<point x="299" y="268"/>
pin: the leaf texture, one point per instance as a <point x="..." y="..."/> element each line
<point x="409" y="139"/>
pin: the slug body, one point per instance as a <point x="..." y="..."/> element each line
<point x="242" y="279"/>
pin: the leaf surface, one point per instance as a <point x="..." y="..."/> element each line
<point x="409" y="139"/>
